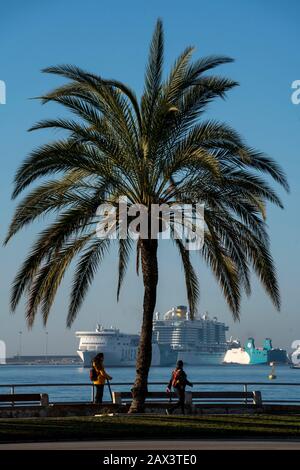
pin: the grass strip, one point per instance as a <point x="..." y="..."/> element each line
<point x="145" y="427"/>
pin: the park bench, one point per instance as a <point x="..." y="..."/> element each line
<point x="120" y="398"/>
<point x="24" y="399"/>
<point x="193" y="398"/>
<point x="220" y="397"/>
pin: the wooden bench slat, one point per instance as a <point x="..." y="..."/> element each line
<point x="20" y="397"/>
<point x="217" y="394"/>
<point x="12" y="398"/>
<point x="214" y="394"/>
<point x="150" y="395"/>
<point x="210" y="396"/>
<point x="161" y="395"/>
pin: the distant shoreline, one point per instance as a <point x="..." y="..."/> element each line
<point x="43" y="360"/>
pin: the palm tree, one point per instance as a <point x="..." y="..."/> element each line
<point x="156" y="150"/>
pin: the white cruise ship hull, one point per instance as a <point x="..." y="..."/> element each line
<point x="198" y="358"/>
<point x="113" y="358"/>
<point x="190" y="358"/>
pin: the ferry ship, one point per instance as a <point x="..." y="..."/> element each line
<point x="252" y="355"/>
<point x="201" y="341"/>
<point x="119" y="349"/>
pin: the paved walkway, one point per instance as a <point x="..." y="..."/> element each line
<point x="157" y="445"/>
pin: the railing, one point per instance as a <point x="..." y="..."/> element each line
<point x="118" y="386"/>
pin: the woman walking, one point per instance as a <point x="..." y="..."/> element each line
<point x="102" y="376"/>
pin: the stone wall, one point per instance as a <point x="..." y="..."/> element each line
<point x="90" y="409"/>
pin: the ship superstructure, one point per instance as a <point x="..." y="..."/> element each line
<point x="197" y="342"/>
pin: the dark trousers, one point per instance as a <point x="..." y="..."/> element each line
<point x="99" y="393"/>
<point x="180" y="392"/>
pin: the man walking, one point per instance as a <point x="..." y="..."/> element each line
<point x="178" y="381"/>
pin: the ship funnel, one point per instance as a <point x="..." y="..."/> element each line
<point x="250" y="343"/>
<point x="268" y="344"/>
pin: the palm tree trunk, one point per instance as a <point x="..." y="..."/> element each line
<point x="150" y="279"/>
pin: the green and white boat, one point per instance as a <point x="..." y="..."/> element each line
<point x="252" y="355"/>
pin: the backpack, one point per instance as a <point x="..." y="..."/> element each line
<point x="93" y="374"/>
<point x="178" y="378"/>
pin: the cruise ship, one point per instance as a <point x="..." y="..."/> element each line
<point x="201" y="341"/>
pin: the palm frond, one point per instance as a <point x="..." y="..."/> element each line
<point x="191" y="281"/>
<point x="154" y="151"/>
<point x="84" y="275"/>
<point x="153" y="77"/>
<point x="225" y="271"/>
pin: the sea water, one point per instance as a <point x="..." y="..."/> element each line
<point x="74" y="374"/>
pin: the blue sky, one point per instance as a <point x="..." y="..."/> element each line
<point x="112" y="39"/>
